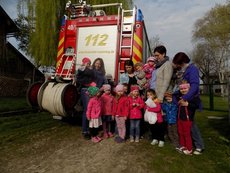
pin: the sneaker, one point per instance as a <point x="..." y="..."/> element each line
<point x="120" y="140"/>
<point x="131" y="139"/>
<point x="94" y="140"/>
<point x="161" y="144"/>
<point x="110" y="135"/>
<point x="180" y="149"/>
<point x="137" y="139"/>
<point x="105" y="136"/>
<point x="187" y="152"/>
<point x="154" y="142"/>
<point x="98" y="138"/>
<point x="198" y="151"/>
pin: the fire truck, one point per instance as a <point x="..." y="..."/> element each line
<point x="87" y="31"/>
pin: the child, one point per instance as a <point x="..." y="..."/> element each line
<point x="157" y="129"/>
<point x="140" y="75"/>
<point x="170" y="109"/>
<point x="136" y="104"/>
<point x="148" y="69"/>
<point x="107" y="104"/>
<point x="120" y="111"/>
<point x="186" y="111"/>
<point x="94" y="113"/>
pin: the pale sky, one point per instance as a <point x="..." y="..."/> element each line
<point x="171" y="20"/>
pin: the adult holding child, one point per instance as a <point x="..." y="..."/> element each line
<point x="162" y="74"/>
<point x="190" y="73"/>
<point x="128" y="77"/>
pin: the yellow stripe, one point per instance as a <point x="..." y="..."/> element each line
<point x="137" y="52"/>
<point x="61" y="41"/>
<point x="134" y="60"/>
<point x="58" y="63"/>
<point x="60" y="51"/>
<point x="138" y="40"/>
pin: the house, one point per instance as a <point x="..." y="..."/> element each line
<point x="16" y="71"/>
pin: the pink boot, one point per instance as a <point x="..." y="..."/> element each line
<point x="94" y="140"/>
<point x="110" y="135"/>
<point x="105" y="136"/>
<point x="98" y="138"/>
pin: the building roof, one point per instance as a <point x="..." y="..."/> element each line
<point x="11" y="27"/>
<point x="23" y="58"/>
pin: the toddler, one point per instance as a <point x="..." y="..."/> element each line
<point x="136" y="104"/>
<point x="148" y="69"/>
<point x="157" y="129"/>
<point x="140" y="75"/>
<point x="107" y="104"/>
<point x="120" y="111"/>
<point x="170" y="109"/>
<point x="186" y="112"/>
<point x="94" y="113"/>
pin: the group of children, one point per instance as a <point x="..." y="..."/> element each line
<point x="103" y="108"/>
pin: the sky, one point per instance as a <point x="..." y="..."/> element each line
<point x="171" y="20"/>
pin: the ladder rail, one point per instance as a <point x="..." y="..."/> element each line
<point x="124" y="33"/>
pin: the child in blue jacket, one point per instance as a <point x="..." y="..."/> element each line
<point x="170" y="108"/>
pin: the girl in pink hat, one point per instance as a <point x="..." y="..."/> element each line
<point x="120" y="111"/>
<point x="107" y="104"/>
<point x="136" y="103"/>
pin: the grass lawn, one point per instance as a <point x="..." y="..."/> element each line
<point x="220" y="103"/>
<point x="13" y="103"/>
<point x="22" y="130"/>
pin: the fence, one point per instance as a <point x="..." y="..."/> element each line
<point x="215" y="96"/>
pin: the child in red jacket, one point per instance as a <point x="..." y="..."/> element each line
<point x="93" y="113"/>
<point x="107" y="104"/>
<point x="120" y="112"/>
<point x="136" y="103"/>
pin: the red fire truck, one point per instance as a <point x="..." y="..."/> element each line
<point x="87" y="31"/>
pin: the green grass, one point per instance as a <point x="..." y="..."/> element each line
<point x="13" y="103"/>
<point x="220" y="103"/>
<point x="21" y="130"/>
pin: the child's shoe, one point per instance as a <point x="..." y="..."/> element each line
<point x="98" y="138"/>
<point x="187" y="152"/>
<point x="131" y="139"/>
<point x="154" y="142"/>
<point x="161" y="144"/>
<point x="110" y="135"/>
<point x="94" y="140"/>
<point x="198" y="151"/>
<point x="137" y="139"/>
<point x="105" y="136"/>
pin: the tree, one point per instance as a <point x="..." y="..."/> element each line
<point x="214" y="30"/>
<point x="154" y="42"/>
<point x="42" y="19"/>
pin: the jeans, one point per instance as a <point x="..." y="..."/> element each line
<point x="196" y="136"/>
<point x="135" y="127"/>
<point x="85" y="101"/>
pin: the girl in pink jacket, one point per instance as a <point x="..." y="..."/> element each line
<point x="136" y="103"/>
<point x="93" y="113"/>
<point x="120" y="111"/>
<point x="107" y="105"/>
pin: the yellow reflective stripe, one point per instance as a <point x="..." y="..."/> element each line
<point x="137" y="40"/>
<point x="137" y="52"/>
<point x="61" y="41"/>
<point x="60" y="51"/>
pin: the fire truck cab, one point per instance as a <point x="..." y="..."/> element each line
<point x="87" y="31"/>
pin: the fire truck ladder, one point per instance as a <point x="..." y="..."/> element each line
<point x="68" y="66"/>
<point x="126" y="37"/>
